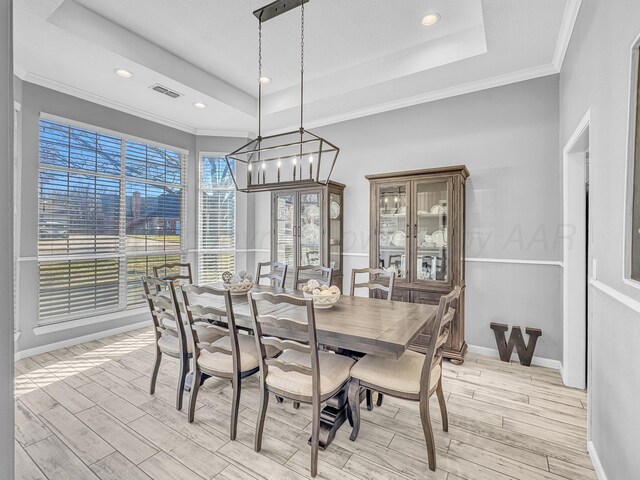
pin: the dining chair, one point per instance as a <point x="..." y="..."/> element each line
<point x="170" y="337"/>
<point x="277" y="273"/>
<point x="232" y="356"/>
<point x="301" y="373"/>
<point x="413" y="376"/>
<point x="374" y="284"/>
<point x="312" y="272"/>
<point x="174" y="271"/>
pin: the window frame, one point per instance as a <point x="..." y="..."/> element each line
<point x="633" y="164"/>
<point x="121" y="254"/>
<point x="199" y="212"/>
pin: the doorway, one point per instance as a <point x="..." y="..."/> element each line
<point x="576" y="256"/>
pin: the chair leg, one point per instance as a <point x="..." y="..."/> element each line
<point x="193" y="394"/>
<point x="443" y="406"/>
<point x="182" y="376"/>
<point x="353" y="394"/>
<point x="235" y="406"/>
<point x="154" y="374"/>
<point x="296" y="405"/>
<point x="369" y="399"/>
<point x="262" y="413"/>
<point x="380" y="397"/>
<point x="425" y="417"/>
<point x="315" y="437"/>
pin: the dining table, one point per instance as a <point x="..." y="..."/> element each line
<point x="357" y="325"/>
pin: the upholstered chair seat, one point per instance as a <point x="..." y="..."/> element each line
<point x="171" y="344"/>
<point x="334" y="372"/>
<point x="220" y="362"/>
<point x="400" y="375"/>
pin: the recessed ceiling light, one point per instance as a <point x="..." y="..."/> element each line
<point x="121" y="72"/>
<point x="200" y="105"/>
<point x="264" y="80"/>
<point x="430" y="19"/>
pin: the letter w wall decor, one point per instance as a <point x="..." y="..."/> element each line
<point x="525" y="352"/>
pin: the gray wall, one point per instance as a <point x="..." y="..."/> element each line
<point x="596" y="75"/>
<point x="508" y="138"/>
<point x="36" y="99"/>
<point x="6" y="240"/>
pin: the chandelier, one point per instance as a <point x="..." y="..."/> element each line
<point x="294" y="159"/>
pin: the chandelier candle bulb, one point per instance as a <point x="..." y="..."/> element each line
<point x="279" y="164"/>
<point x="294" y="167"/>
<point x="310" y="166"/>
<point x="264" y="173"/>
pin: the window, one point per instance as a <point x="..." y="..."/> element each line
<point x="217" y="222"/>
<point x="109" y="209"/>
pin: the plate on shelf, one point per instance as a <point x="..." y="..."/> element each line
<point x="312" y="212"/>
<point x="398" y="238"/>
<point x="334" y="209"/>
<point x="438" y="209"/>
<point x="310" y="234"/>
<point x="439" y="238"/>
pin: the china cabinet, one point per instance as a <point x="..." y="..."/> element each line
<point x="307" y="228"/>
<point x="417" y="230"/>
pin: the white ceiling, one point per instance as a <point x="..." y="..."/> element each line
<point x="361" y="56"/>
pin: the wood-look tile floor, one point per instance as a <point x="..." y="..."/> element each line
<point x="84" y="412"/>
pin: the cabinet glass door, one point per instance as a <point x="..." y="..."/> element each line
<point x="310" y="228"/>
<point x="285" y="234"/>
<point x="335" y="230"/>
<point x="393" y="233"/>
<point x="431" y="231"/>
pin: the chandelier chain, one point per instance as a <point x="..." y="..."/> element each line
<point x="259" y="77"/>
<point x="301" y="65"/>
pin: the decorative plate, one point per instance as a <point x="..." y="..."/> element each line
<point x="439" y="238"/>
<point x="312" y="212"/>
<point x="438" y="209"/>
<point x="398" y="238"/>
<point x="310" y="234"/>
<point x="334" y="209"/>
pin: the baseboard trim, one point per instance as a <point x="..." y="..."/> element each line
<point x="30" y="352"/>
<point x="538" y="361"/>
<point x="597" y="465"/>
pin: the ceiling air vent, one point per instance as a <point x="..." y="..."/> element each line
<point x="165" y="91"/>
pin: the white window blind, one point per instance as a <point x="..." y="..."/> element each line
<point x="109" y="209"/>
<point x="217" y="222"/>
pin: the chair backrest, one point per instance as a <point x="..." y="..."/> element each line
<point x="277" y="273"/>
<point x="174" y="271"/>
<point x="164" y="306"/>
<point x="374" y="275"/>
<point x="312" y="272"/>
<point x="438" y="332"/>
<point x="294" y="330"/>
<point x="197" y="312"/>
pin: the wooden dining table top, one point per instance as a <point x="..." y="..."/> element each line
<point x="362" y="324"/>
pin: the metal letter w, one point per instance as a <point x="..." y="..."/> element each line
<point x="525" y="352"/>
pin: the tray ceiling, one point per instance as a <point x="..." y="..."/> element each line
<point x="361" y="56"/>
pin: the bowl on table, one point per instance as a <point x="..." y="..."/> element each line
<point x="323" y="296"/>
<point x="239" y="288"/>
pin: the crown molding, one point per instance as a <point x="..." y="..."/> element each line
<point x="566" y="30"/>
<point x="19" y="72"/>
<point x="204" y="132"/>
<point x="121" y="107"/>
<point x="105" y="102"/>
<point x="471" y="87"/>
